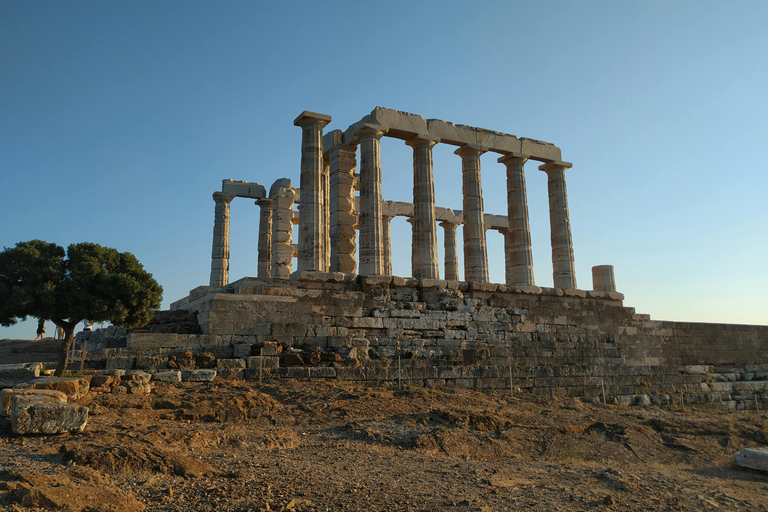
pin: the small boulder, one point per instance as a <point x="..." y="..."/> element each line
<point x="171" y="376"/>
<point x="752" y="458"/>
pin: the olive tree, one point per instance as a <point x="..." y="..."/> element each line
<point x="40" y="279"/>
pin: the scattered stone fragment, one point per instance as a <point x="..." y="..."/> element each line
<point x="73" y="387"/>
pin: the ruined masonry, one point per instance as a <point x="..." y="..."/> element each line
<point x="314" y="292"/>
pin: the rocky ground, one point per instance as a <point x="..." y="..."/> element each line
<point x="315" y="446"/>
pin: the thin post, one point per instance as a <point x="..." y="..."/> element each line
<point x="602" y="384"/>
<point x="82" y="358"/>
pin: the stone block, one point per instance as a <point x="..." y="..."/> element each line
<point x="198" y="375"/>
<point x="35" y="414"/>
<point x="266" y="361"/>
<point x="6" y="396"/>
<point x="120" y="363"/>
<point x="322" y="372"/>
<point x="752" y="458"/>
<point x="230" y="363"/>
<point x="241" y="350"/>
<point x="172" y="376"/>
<point x="136" y="387"/>
<point x="73" y="387"/>
<point x="137" y="340"/>
<point x="151" y="363"/>
<point x="14" y="374"/>
<point x="136" y="375"/>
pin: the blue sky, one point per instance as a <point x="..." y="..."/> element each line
<point x="119" y="119"/>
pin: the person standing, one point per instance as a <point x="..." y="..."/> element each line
<point x="40" y="329"/>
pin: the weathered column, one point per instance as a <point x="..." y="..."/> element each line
<point x="386" y="244"/>
<point x="475" y="253"/>
<point x="343" y="214"/>
<point x="220" y="253"/>
<point x="326" y="214"/>
<point x="451" y="259"/>
<point x="371" y="235"/>
<point x="519" y="257"/>
<point x="424" y="236"/>
<point x="265" y="237"/>
<point x="282" y="228"/>
<point x="312" y="206"/>
<point x="507" y="256"/>
<point x="602" y="278"/>
<point x="563" y="270"/>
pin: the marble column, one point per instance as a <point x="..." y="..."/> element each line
<point x="424" y="232"/>
<point x="563" y="270"/>
<point x="282" y="228"/>
<point x="326" y="214"/>
<point x="451" y="259"/>
<point x="371" y="235"/>
<point x="220" y="253"/>
<point x="343" y="214"/>
<point x="312" y="206"/>
<point x="475" y="252"/>
<point x="265" y="237"/>
<point x="520" y="257"/>
<point x="386" y="244"/>
<point x="602" y="278"/>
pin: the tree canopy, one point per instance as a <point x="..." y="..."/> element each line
<point x="39" y="279"/>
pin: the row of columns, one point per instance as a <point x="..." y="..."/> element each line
<point x="327" y="213"/>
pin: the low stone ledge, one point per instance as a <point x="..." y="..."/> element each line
<point x="376" y="280"/>
<point x="73" y="387"/>
<point x="263" y="361"/>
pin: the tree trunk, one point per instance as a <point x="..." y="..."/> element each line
<point x="69" y="339"/>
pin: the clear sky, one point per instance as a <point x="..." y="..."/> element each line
<point x="119" y="119"/>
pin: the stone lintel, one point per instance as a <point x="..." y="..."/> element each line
<point x="308" y="118"/>
<point x="277" y="185"/>
<point x="243" y="189"/>
<point x="331" y="139"/>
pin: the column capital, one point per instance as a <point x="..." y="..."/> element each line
<point x="222" y="197"/>
<point x="422" y="141"/>
<point x="511" y="158"/>
<point x="370" y="130"/>
<point x="470" y="150"/>
<point x="308" y="118"/>
<point x="265" y="202"/>
<point x="447" y="224"/>
<point x="555" y="165"/>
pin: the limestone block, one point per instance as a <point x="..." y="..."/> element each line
<point x="135" y="387"/>
<point x="120" y="363"/>
<point x="172" y="376"/>
<point x="151" y="363"/>
<point x="6" y="396"/>
<point x="376" y="280"/>
<point x="230" y="363"/>
<point x="574" y="292"/>
<point x="241" y="350"/>
<point x="752" y="458"/>
<point x="399" y="121"/>
<point x="140" y="340"/>
<point x="243" y="189"/>
<point x="136" y="375"/>
<point x="540" y="150"/>
<point x="13" y="374"/>
<point x="73" y="387"/>
<point x="35" y="414"/>
<point x="322" y="372"/>
<point x="198" y="375"/>
<point x="266" y="361"/>
<point x="696" y="369"/>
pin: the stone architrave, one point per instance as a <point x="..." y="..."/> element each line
<point x="282" y="228"/>
<point x="386" y="243"/>
<point x="220" y="253"/>
<point x="475" y="252"/>
<point x="519" y="256"/>
<point x="371" y="234"/>
<point x="563" y="270"/>
<point x="265" y="237"/>
<point x="451" y="259"/>
<point x="311" y="243"/>
<point x="424" y="239"/>
<point x="343" y="214"/>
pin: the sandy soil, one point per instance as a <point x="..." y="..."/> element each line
<point x="317" y="446"/>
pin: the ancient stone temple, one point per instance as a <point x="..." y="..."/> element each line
<point x="332" y="288"/>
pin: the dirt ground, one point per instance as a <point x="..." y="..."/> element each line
<point x="291" y="445"/>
